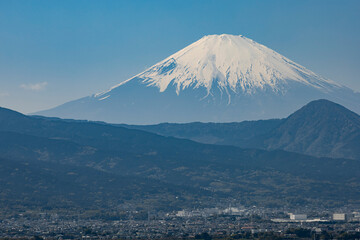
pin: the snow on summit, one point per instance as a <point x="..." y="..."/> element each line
<point x="234" y="63"/>
<point x="219" y="78"/>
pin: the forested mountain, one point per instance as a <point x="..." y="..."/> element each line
<point x="321" y="128"/>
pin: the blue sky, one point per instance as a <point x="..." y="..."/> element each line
<point x="52" y="52"/>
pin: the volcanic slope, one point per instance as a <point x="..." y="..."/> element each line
<point x="219" y="78"/>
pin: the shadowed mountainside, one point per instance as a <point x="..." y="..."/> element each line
<point x="321" y="128"/>
<point x="114" y="166"/>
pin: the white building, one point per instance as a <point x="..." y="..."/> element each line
<point x="356" y="215"/>
<point x="233" y="211"/>
<point x="298" y="216"/>
<point x="339" y="216"/>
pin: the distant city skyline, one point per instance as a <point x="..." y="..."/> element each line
<point x="54" y="52"/>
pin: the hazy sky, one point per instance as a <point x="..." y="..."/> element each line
<point x="52" y="52"/>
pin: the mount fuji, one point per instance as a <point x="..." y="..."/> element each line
<point x="219" y="78"/>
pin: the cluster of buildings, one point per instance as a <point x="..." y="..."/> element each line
<point x="185" y="223"/>
<point x="206" y="212"/>
<point x="298" y="217"/>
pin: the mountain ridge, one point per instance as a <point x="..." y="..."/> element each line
<point x="320" y="128"/>
<point x="184" y="173"/>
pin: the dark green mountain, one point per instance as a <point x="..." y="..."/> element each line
<point x="321" y="128"/>
<point x="59" y="164"/>
<point x="28" y="185"/>
<point x="236" y="133"/>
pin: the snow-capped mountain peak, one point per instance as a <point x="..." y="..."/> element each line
<point x="219" y="78"/>
<point x="234" y="63"/>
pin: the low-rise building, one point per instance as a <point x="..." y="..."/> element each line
<point x="339" y="217"/>
<point x="298" y="216"/>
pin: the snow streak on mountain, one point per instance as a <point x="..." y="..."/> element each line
<point x="217" y="78"/>
<point x="234" y="62"/>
